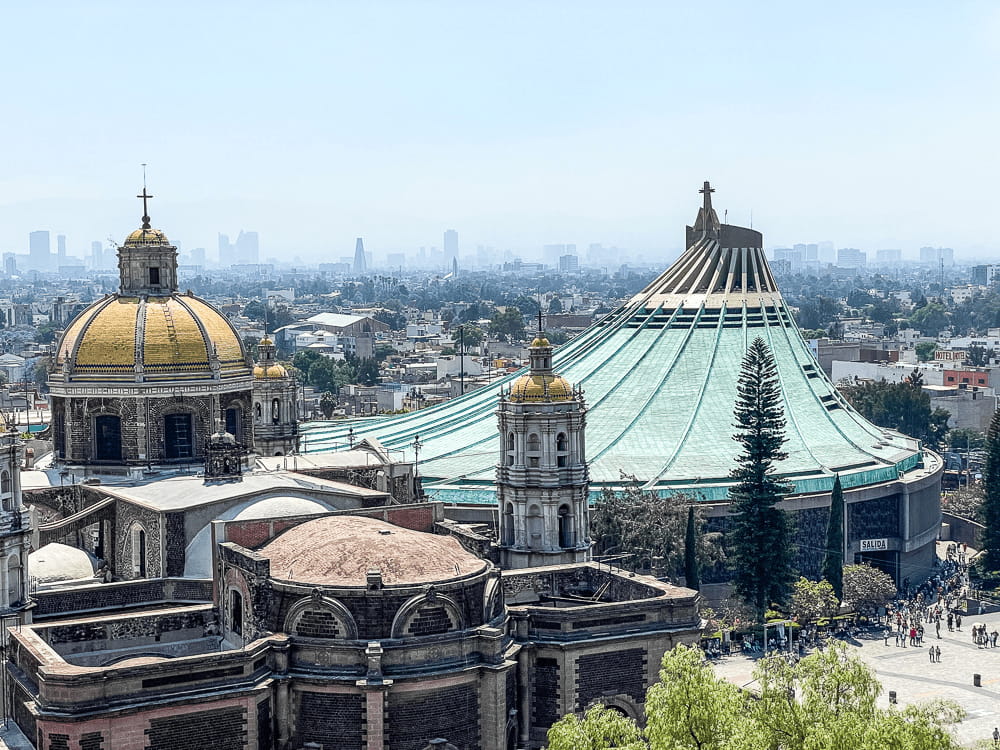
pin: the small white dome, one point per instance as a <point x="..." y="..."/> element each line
<point x="198" y="555"/>
<point x="59" y="563"/>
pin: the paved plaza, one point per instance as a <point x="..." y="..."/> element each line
<point x="911" y="674"/>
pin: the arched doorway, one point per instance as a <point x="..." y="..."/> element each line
<point x="107" y="438"/>
<point x="178" y="436"/>
<point x="234" y="423"/>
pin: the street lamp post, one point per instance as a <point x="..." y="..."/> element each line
<point x="417" y="445"/>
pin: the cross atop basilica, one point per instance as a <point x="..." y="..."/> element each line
<point x="707" y="192"/>
<point x="145" y="209"/>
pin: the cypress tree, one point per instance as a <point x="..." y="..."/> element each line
<point x="991" y="497"/>
<point x="760" y="533"/>
<point x="833" y="560"/>
<point x="691" y="575"/>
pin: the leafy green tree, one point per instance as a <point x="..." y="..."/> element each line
<point x="833" y="557"/>
<point x="555" y="306"/>
<point x="471" y="335"/>
<point x="866" y="588"/>
<point x="46" y="333"/>
<point x="327" y="403"/>
<point x="812" y="600"/>
<point x="827" y="701"/>
<point x="650" y="529"/>
<point x="979" y="356"/>
<point x="691" y="577"/>
<point x="368" y="372"/>
<point x="760" y="530"/>
<point x="600" y="728"/>
<point x="965" y="438"/>
<point x="690" y="708"/>
<point x="990" y="509"/>
<point x="925" y="350"/>
<point x="508" y="325"/>
<point x="930" y="319"/>
<point x="903" y="407"/>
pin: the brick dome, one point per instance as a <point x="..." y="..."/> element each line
<point x="341" y="550"/>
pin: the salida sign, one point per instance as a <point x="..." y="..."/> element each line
<point x="874" y="545"/>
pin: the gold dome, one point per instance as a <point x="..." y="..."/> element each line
<point x="163" y="338"/>
<point x="540" y="341"/>
<point x="274" y="370"/>
<point x="541" y="388"/>
<point x="146" y="238"/>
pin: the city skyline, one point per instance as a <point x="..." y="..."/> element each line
<point x="538" y="125"/>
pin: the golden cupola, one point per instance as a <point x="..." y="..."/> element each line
<point x="147" y="331"/>
<point x="541" y="383"/>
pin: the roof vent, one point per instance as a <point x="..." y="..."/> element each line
<point x="384" y="532"/>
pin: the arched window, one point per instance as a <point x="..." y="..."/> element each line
<point x="236" y="612"/>
<point x="566" y="527"/>
<point x="562" y="446"/>
<point x="107" y="438"/>
<point x="13" y="572"/>
<point x="533" y="450"/>
<point x="178" y="436"/>
<point x="275" y="411"/>
<point x="507" y="536"/>
<point x="5" y="489"/>
<point x="510" y="449"/>
<point x="258" y="412"/>
<point x="138" y="551"/>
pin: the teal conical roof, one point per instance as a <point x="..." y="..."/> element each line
<point x="660" y="376"/>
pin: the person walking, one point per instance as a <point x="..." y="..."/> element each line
<point x="937" y="654"/>
<point x="958" y="622"/>
<point x="931" y="652"/>
<point x="996" y="736"/>
<point x="886" y="633"/>
<point x="951" y="622"/>
<point x="993" y="637"/>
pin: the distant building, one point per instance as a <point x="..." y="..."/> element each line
<point x="985" y="275"/>
<point x="937" y="256"/>
<point x="10" y="264"/>
<point x="360" y="259"/>
<point x="569" y="263"/>
<point x="888" y="256"/>
<point x="851" y="257"/>
<point x="791" y="255"/>
<point x="60" y="249"/>
<point x="96" y="255"/>
<point x="450" y="245"/>
<point x="39" y="250"/>
<point x="552" y="253"/>
<point x="248" y="248"/>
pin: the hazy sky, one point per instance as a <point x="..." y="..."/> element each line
<point x="518" y="124"/>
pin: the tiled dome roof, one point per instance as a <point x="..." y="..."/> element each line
<point x="167" y="338"/>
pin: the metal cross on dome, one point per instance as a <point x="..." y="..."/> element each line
<point x="145" y="210"/>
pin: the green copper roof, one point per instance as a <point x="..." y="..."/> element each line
<point x="659" y="376"/>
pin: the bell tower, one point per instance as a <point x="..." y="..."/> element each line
<point x="542" y="478"/>
<point x="275" y="412"/>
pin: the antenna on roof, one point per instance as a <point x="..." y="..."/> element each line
<point x="539" y="313"/>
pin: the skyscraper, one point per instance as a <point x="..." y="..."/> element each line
<point x="96" y="255"/>
<point x="39" y="250"/>
<point x="360" y="262"/>
<point x="60" y="249"/>
<point x="450" y="245"/>
<point x="248" y="248"/>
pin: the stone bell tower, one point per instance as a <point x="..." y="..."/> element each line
<point x="275" y="412"/>
<point x="542" y="478"/>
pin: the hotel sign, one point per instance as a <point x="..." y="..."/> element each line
<point x="874" y="545"/>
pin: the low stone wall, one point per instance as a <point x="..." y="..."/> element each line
<point x="961" y="530"/>
<point x="101" y="596"/>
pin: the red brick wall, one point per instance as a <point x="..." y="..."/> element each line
<point x="133" y="731"/>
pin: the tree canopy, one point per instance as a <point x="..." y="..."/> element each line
<point x="990" y="509"/>
<point x="904" y="407"/>
<point x="827" y="701"/>
<point x="867" y="588"/>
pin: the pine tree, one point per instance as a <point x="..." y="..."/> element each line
<point x="691" y="575"/>
<point x="833" y="560"/>
<point x="991" y="499"/>
<point x="760" y="532"/>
